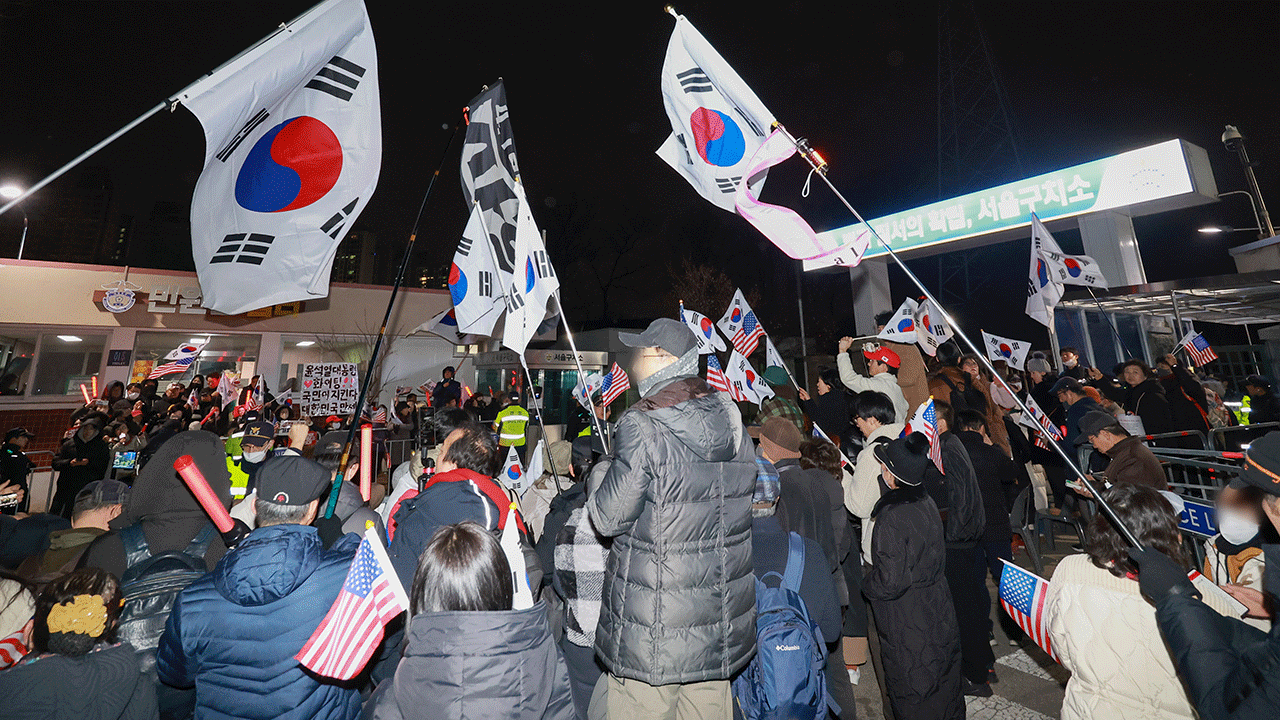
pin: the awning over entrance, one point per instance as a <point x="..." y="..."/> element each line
<point x="1237" y="299"/>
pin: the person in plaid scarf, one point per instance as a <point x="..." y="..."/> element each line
<point x="580" y="555"/>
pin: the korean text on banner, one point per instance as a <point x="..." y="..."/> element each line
<point x="329" y="388"/>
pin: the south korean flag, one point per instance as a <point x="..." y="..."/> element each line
<point x="293" y="148"/>
<point x="717" y="122"/>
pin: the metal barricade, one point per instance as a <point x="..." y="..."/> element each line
<point x="1198" y="474"/>
<point x="31" y="481"/>
<point x="1236" y="437"/>
<point x="399" y="451"/>
<point x="1205" y="443"/>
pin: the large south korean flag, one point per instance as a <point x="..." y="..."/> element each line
<point x="717" y="122"/>
<point x="293" y="147"/>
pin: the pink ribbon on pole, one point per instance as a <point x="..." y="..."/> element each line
<point x="781" y="225"/>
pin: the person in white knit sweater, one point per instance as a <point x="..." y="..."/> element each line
<point x="1103" y="630"/>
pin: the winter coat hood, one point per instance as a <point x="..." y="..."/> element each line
<point x="697" y="417"/>
<point x="268" y="565"/>
<point x="106" y="683"/>
<point x="501" y="664"/>
<point x="159" y="490"/>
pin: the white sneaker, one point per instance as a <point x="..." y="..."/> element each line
<point x="855" y="673"/>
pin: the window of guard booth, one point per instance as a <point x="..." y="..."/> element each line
<point x="17" y="351"/>
<point x="66" y="361"/>
<point x="238" y="353"/>
<point x="1105" y="355"/>
<point x="1130" y="335"/>
<point x="1071" y="333"/>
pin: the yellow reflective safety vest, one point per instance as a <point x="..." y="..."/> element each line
<point x="510" y="425"/>
<point x="239" y="478"/>
<point x="1242" y="413"/>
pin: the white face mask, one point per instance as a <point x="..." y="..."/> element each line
<point x="131" y="396"/>
<point x="255" y="457"/>
<point x="1070" y="363"/>
<point x="1235" y="527"/>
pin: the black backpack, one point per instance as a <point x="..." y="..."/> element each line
<point x="151" y="584"/>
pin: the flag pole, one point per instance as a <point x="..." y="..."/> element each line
<point x="820" y="165"/>
<point x="537" y="411"/>
<point x="171" y="102"/>
<point x="1111" y="324"/>
<point x="582" y="375"/>
<point x="382" y="332"/>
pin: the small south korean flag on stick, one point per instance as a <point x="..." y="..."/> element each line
<point x="901" y="327"/>
<point x="293" y="148"/>
<point x="717" y="122"/>
<point x="931" y="327"/>
<point x="1013" y="352"/>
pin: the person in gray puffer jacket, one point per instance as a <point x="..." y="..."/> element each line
<point x="675" y="494"/>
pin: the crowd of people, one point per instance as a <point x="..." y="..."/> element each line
<point x="679" y="562"/>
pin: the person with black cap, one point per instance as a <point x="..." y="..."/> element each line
<point x="233" y="634"/>
<point x="1263" y="406"/>
<point x="1230" y="669"/>
<point x="907" y="587"/>
<point x="1070" y="392"/>
<point x="15" y="466"/>
<point x="675" y="494"/>
<point x="83" y="458"/>
<point x="100" y="502"/>
<point x="447" y="389"/>
<point x="1131" y="461"/>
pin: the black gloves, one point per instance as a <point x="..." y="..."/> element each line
<point x="1159" y="577"/>
<point x="238" y="532"/>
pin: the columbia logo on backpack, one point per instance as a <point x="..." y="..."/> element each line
<point x="786" y="677"/>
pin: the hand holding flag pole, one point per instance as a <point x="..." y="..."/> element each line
<point x="820" y="166"/>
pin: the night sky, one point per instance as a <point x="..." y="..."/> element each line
<point x="1083" y="80"/>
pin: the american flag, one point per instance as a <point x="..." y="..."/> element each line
<point x="715" y="375"/>
<point x="253" y="401"/>
<point x="1022" y="595"/>
<point x="614" y="384"/>
<point x="748" y="336"/>
<point x="1041" y="423"/>
<point x="179" y="360"/>
<point x="925" y="421"/>
<point x="1198" y="348"/>
<point x="369" y="599"/>
<point x="380" y="415"/>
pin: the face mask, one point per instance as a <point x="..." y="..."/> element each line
<point x="335" y="426"/>
<point x="131" y="396"/>
<point x="1235" y="527"/>
<point x="255" y="457"/>
<point x="1070" y="363"/>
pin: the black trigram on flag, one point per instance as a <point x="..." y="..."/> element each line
<point x="484" y="283"/>
<point x="542" y="264"/>
<point x="695" y="81"/>
<point x="464" y="246"/>
<point x="515" y="299"/>
<point x="333" y="226"/>
<point x="729" y="184"/>
<point x="248" y="248"/>
<point x="336" y="76"/>
<point x="254" y="122"/>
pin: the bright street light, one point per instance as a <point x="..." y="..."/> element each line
<point x="9" y="192"/>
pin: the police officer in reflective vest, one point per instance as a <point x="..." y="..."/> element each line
<point x="510" y="424"/>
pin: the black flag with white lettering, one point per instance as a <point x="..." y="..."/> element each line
<point x="489" y="172"/>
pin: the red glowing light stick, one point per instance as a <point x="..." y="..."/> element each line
<point x="366" y="461"/>
<point x="85" y="392"/>
<point x="191" y="475"/>
<point x="94" y="379"/>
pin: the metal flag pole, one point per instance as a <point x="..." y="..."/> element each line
<point x="537" y="410"/>
<point x="1111" y="324"/>
<point x="382" y="332"/>
<point x="171" y="102"/>
<point x="582" y="375"/>
<point x="816" y="426"/>
<point x="820" y="166"/>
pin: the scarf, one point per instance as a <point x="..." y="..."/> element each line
<point x="686" y="365"/>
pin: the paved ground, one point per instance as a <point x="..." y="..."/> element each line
<point x="1031" y="684"/>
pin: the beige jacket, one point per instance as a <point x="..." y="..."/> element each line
<point x="862" y="491"/>
<point x="883" y="383"/>
<point x="1105" y="633"/>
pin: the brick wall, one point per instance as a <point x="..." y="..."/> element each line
<point x="47" y="424"/>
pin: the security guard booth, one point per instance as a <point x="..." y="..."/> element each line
<point x="554" y="376"/>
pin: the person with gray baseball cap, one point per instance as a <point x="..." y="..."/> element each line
<point x="674" y="494"/>
<point x="1131" y="460"/>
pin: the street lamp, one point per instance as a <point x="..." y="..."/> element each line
<point x="1215" y="229"/>
<point x="1234" y="142"/>
<point x="9" y="192"/>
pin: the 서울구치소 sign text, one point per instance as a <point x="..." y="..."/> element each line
<point x="1142" y="175"/>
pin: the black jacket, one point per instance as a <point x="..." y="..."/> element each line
<point x="105" y="684"/>
<point x="1187" y="402"/>
<point x="995" y="474"/>
<point x="769" y="552"/>
<point x="1075" y="412"/>
<point x="1263" y="408"/>
<point x="804" y="507"/>
<point x="1146" y="400"/>
<point x="965" y="518"/>
<point x="167" y="511"/>
<point x="95" y="451"/>
<point x="829" y="412"/>
<point x="916" y="620"/>
<point x="1230" y="669"/>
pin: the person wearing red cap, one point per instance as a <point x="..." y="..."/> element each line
<point x="882" y="374"/>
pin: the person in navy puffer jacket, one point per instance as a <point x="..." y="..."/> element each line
<point x="233" y="634"/>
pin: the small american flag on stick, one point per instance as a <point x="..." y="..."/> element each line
<point x="715" y="375"/>
<point x="1198" y="348"/>
<point x="369" y="599"/>
<point x="614" y="384"/>
<point x="1022" y="595"/>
